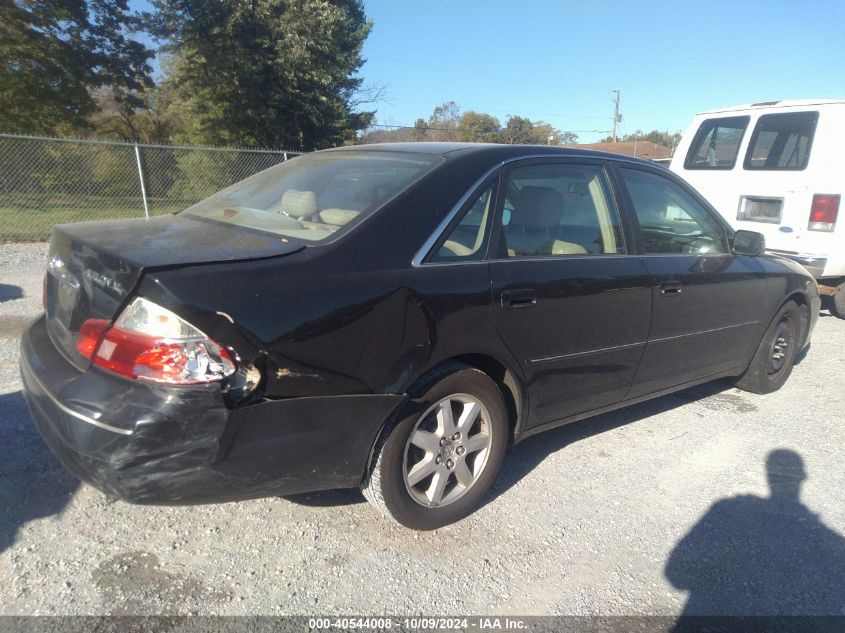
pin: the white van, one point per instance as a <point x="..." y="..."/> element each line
<point x="777" y="168"/>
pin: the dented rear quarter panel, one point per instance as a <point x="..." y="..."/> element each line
<point x="352" y="317"/>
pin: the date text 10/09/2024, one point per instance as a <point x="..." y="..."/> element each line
<point x="420" y="623"/>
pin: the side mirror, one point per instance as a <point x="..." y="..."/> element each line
<point x="749" y="243"/>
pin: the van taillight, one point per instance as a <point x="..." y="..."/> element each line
<point x="823" y="212"/>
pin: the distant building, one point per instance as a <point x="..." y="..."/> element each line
<point x="640" y="149"/>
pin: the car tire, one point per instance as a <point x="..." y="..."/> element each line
<point x="428" y="470"/>
<point x="837" y="301"/>
<point x="775" y="356"/>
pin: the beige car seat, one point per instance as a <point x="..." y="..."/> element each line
<point x="338" y="217"/>
<point x="297" y="204"/>
<point x="537" y="212"/>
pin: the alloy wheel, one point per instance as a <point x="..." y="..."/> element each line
<point x="447" y="450"/>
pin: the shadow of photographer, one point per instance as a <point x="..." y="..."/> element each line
<point x="33" y="484"/>
<point x="762" y="556"/>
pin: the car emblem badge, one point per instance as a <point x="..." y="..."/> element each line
<point x="103" y="281"/>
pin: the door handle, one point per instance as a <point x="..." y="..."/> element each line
<point x="520" y="298"/>
<point x="671" y="288"/>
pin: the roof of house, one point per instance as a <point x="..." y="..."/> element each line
<point x="640" y="149"/>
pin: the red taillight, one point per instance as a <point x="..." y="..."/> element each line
<point x="151" y="343"/>
<point x="823" y="212"/>
<point x="120" y="349"/>
<point x="90" y="335"/>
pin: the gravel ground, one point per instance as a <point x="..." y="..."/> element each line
<point x="650" y="510"/>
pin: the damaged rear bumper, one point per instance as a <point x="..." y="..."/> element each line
<point x="146" y="443"/>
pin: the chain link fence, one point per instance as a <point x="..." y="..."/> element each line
<point x="47" y="181"/>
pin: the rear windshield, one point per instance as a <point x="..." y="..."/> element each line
<point x="782" y="142"/>
<point x="316" y="196"/>
<point x="716" y="143"/>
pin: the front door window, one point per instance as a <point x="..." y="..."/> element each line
<point x="671" y="221"/>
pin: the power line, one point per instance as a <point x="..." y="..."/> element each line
<point x="511" y="111"/>
<point x="464" y="73"/>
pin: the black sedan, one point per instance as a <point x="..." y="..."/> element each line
<point x="392" y="317"/>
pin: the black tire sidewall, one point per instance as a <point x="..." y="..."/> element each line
<point x="837" y="302"/>
<point x="766" y="382"/>
<point x="398" y="500"/>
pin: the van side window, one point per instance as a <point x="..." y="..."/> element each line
<point x="716" y="143"/>
<point x="782" y="141"/>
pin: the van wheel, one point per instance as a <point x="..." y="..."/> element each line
<point x="837" y="301"/>
<point x="775" y="356"/>
<point x="435" y="465"/>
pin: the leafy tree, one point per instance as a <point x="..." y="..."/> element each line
<point x="447" y="123"/>
<point x="543" y="133"/>
<point x="520" y="129"/>
<point x="444" y="122"/>
<point x="140" y="121"/>
<point x="264" y="73"/>
<point x="446" y="114"/>
<point x="202" y="173"/>
<point x="567" y="138"/>
<point x="517" y="130"/>
<point x="53" y="54"/>
<point x="665" y="138"/>
<point x="419" y="130"/>
<point x="478" y="127"/>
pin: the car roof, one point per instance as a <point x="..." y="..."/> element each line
<point x="787" y="103"/>
<point x="500" y="150"/>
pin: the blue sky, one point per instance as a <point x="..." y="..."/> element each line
<point x="560" y="61"/>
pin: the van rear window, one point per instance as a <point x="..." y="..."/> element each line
<point x="782" y="142"/>
<point x="716" y="143"/>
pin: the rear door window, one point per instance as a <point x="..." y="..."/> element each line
<point x="782" y="142"/>
<point x="716" y="143"/>
<point x="558" y="210"/>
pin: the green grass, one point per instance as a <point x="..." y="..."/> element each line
<point x="31" y="218"/>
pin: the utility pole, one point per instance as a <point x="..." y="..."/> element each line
<point x="616" y="116"/>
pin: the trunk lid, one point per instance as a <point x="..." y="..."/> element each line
<point x="93" y="266"/>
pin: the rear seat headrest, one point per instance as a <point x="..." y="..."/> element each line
<point x="537" y="207"/>
<point x="298" y="204"/>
